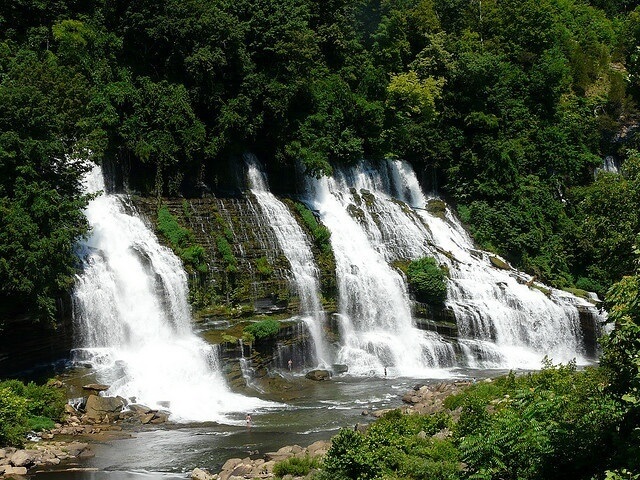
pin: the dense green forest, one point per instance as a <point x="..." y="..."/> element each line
<point x="511" y="105"/>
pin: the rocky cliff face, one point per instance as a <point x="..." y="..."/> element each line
<point x="254" y="278"/>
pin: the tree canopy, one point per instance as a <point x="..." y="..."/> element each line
<point x="511" y="105"/>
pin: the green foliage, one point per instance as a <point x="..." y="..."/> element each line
<point x="427" y="280"/>
<point x="297" y="467"/>
<point x="263" y="329"/>
<point x="395" y="444"/>
<point x="224" y="248"/>
<point x="181" y="240"/>
<point x="229" y="338"/>
<point x="321" y="237"/>
<point x="321" y="234"/>
<point x="38" y="423"/>
<point x="551" y="424"/>
<point x="40" y="193"/>
<point x="558" y="423"/>
<point x="13" y="417"/>
<point x="510" y="104"/>
<point x="168" y="226"/>
<point x="609" y="214"/>
<point x="621" y="355"/>
<point x="27" y="407"/>
<point x="264" y="267"/>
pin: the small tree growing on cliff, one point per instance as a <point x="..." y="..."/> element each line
<point x="427" y="281"/>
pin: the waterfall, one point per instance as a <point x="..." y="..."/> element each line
<point x="505" y="319"/>
<point x="133" y="320"/>
<point x="375" y="318"/>
<point x="376" y="215"/>
<point x="297" y="249"/>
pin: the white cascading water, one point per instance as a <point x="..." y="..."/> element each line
<point x="374" y="310"/>
<point x="134" y="322"/>
<point x="502" y="322"/>
<point x="297" y="249"/>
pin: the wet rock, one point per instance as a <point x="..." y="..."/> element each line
<point x="199" y="474"/>
<point x="147" y="418"/>
<point x="139" y="409"/>
<point x="99" y="407"/>
<point x="339" y="368"/>
<point x="242" y="470"/>
<point x="231" y="464"/>
<point x="499" y="263"/>
<point x="160" y="417"/>
<point x="380" y="413"/>
<point x="75" y="448"/>
<point x="23" y="458"/>
<point x="95" y="388"/>
<point x="9" y="470"/>
<point x="318" y="375"/>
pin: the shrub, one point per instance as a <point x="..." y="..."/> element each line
<point x="45" y="401"/>
<point x="181" y="240"/>
<point x="227" y="254"/>
<point x="396" y="446"/>
<point x="321" y="234"/>
<point x="263" y="329"/>
<point x="27" y="407"/>
<point x="427" y="280"/>
<point x="13" y="417"/>
<point x="264" y="267"/>
<point x="168" y="226"/>
<point x="297" y="467"/>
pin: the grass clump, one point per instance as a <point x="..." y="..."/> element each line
<point x="224" y="248"/>
<point x="181" y="241"/>
<point x="297" y="467"/>
<point x="264" y="267"/>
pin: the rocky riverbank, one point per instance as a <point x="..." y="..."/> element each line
<point x="96" y="418"/>
<point x="17" y="462"/>
<point x="262" y="468"/>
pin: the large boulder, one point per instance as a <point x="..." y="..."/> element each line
<point x="338" y="368"/>
<point x="199" y="474"/>
<point x="9" y="470"/>
<point x="23" y="458"/>
<point x="318" y="375"/>
<point x="98" y="408"/>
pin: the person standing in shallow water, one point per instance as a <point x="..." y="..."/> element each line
<point x="290" y="363"/>
<point x="248" y="419"/>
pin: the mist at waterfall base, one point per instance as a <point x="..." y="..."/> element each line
<point x="133" y="320"/>
<point x="376" y="215"/>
